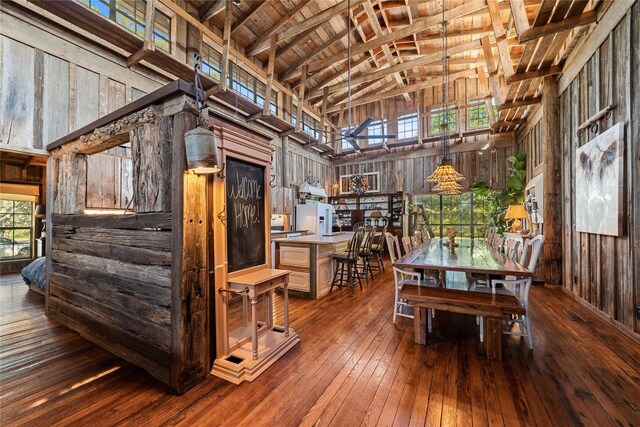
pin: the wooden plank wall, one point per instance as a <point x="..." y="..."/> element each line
<point x="111" y="282"/>
<point x="529" y="141"/>
<point x="53" y="82"/>
<point x="409" y="172"/>
<point x="604" y="271"/>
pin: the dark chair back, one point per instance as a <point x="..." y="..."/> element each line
<point x="367" y="242"/>
<point x="356" y="242"/>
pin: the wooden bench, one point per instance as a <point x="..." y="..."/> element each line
<point x="492" y="307"/>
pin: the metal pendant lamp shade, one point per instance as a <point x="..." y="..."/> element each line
<point x="447" y="186"/>
<point x="445" y="174"/>
<point x="202" y="151"/>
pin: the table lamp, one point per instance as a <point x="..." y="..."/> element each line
<point x="516" y="213"/>
<point x="376" y="215"/>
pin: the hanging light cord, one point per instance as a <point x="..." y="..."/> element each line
<point x="349" y="63"/>
<point x="445" y="90"/>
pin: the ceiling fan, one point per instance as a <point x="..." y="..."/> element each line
<point x="353" y="135"/>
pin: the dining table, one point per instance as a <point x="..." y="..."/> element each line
<point x="469" y="256"/>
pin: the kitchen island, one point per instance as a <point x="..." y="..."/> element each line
<point x="309" y="258"/>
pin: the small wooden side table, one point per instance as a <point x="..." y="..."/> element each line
<point x="263" y="282"/>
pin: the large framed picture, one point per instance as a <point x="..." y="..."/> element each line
<point x="599" y="183"/>
<point x="370" y="179"/>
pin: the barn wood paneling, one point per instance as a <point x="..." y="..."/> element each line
<point x="603" y="270"/>
<point x="115" y="290"/>
<point x="409" y="173"/>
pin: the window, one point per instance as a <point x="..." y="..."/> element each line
<point x="466" y="212"/>
<point x="477" y="111"/>
<point x="441" y="117"/>
<point x="346" y="145"/>
<point x="375" y="129"/>
<point x="16" y="228"/>
<point x="408" y="126"/>
<point x="211" y="62"/>
<point x="130" y="14"/>
<point x="310" y="126"/>
<point x="250" y="87"/>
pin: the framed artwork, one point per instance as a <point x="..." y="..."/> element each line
<point x="599" y="172"/>
<point x="372" y="180"/>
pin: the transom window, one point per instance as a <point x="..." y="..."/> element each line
<point x="375" y="129"/>
<point x="211" y="62"/>
<point x="130" y="14"/>
<point x="441" y="116"/>
<point x="408" y="126"/>
<point x="310" y="126"/>
<point x="478" y="115"/>
<point x="16" y="228"/>
<point x="346" y="145"/>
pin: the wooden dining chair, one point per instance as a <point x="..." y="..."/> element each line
<point x="404" y="278"/>
<point x="416" y="241"/>
<point x="520" y="287"/>
<point x="425" y="235"/>
<point x="406" y="244"/>
<point x="511" y="248"/>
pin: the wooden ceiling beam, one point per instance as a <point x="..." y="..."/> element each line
<point x="240" y="22"/>
<point x="424" y="60"/>
<point x="501" y="39"/>
<point x="492" y="69"/>
<point x="533" y="33"/>
<point x="294" y="69"/>
<point x="419" y="25"/>
<point x="520" y="103"/>
<point x="373" y="20"/>
<point x="508" y="123"/>
<point x="301" y="27"/>
<point x="211" y="9"/>
<point x="261" y="43"/>
<point x="315" y="90"/>
<point x="519" y="13"/>
<point x="451" y="34"/>
<point x="528" y="75"/>
<point x="412" y="87"/>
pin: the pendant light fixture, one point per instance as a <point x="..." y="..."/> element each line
<point x="445" y="174"/>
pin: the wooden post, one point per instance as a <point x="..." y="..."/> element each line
<point x="323" y="123"/>
<point x="303" y="83"/>
<point x="551" y="158"/>
<point x="285" y="161"/>
<point x="226" y="42"/>
<point x="272" y="59"/>
<point x="194" y="40"/>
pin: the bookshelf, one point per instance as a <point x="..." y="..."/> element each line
<point x="378" y="209"/>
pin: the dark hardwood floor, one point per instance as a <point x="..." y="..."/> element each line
<point x="353" y="367"/>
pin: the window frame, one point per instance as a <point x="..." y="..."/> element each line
<point x="30" y="228"/>
<point x="411" y="132"/>
<point x="450" y="110"/>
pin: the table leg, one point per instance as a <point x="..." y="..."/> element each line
<point x="244" y="310"/>
<point x="254" y="328"/>
<point x="493" y="337"/>
<point x="420" y="325"/>
<point x="286" y="309"/>
<point x="269" y="310"/>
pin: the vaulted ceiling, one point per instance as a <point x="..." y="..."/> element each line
<point x="396" y="45"/>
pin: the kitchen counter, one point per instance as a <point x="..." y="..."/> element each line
<point x="313" y="239"/>
<point x="310" y="260"/>
<point x="281" y="234"/>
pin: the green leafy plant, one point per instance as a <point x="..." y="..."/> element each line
<point x="512" y="194"/>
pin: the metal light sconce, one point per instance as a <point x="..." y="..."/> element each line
<point x="202" y="151"/>
<point x="201" y="144"/>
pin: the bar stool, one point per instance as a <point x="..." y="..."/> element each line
<point x="365" y="252"/>
<point x="349" y="260"/>
<point x="377" y="249"/>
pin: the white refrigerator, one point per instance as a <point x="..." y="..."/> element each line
<point x="316" y="218"/>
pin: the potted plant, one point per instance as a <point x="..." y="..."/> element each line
<point x="512" y="194"/>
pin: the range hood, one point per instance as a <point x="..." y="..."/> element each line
<point x="313" y="190"/>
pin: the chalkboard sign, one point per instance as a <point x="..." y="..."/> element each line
<point x="245" y="214"/>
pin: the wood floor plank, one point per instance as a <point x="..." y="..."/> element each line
<point x="352" y="367"/>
